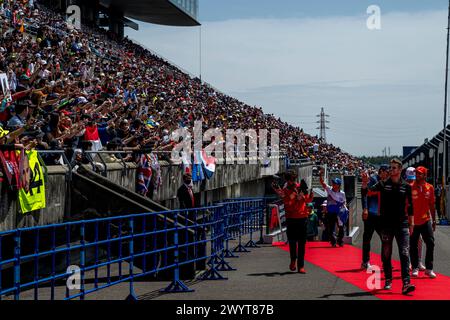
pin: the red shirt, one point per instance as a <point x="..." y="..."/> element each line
<point x="423" y="199"/>
<point x="295" y="208"/>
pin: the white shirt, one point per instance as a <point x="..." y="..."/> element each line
<point x="335" y="197"/>
<point x="316" y="147"/>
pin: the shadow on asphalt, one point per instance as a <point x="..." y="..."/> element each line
<point x="349" y="295"/>
<point x="324" y="247"/>
<point x="158" y="293"/>
<point x="360" y="294"/>
<point x="272" y="274"/>
<point x="351" y="271"/>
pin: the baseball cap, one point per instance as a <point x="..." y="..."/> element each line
<point x="324" y="204"/>
<point x="383" y="167"/>
<point x="422" y="170"/>
<point x="337" y="181"/>
<point x="411" y="173"/>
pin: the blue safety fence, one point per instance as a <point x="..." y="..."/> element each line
<point x="74" y="259"/>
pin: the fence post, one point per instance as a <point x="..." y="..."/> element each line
<point x="222" y="265"/>
<point x="132" y="296"/>
<point x="17" y="251"/>
<point x="227" y="216"/>
<point x="212" y="273"/>
<point x="82" y="259"/>
<point x="252" y="222"/>
<point x="176" y="285"/>
<point x="261" y="221"/>
<point x="36" y="266"/>
<point x="240" y="213"/>
<point x="52" y="296"/>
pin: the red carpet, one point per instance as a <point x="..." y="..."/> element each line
<point x="344" y="263"/>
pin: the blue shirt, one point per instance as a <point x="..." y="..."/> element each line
<point x="372" y="203"/>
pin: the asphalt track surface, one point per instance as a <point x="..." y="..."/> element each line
<point x="262" y="274"/>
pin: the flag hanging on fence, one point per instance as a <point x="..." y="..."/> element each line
<point x="91" y="135"/>
<point x="186" y="163"/>
<point x="34" y="198"/>
<point x="208" y="164"/>
<point x="197" y="170"/>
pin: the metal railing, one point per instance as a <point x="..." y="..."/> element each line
<point x="121" y="155"/>
<point x="74" y="259"/>
<point x="353" y="215"/>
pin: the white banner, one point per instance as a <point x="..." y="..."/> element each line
<point x="5" y="86"/>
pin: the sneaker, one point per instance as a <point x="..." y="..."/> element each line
<point x="341" y="245"/>
<point x="365" y="265"/>
<point x="302" y="271"/>
<point x="408" y="288"/>
<point x="292" y="266"/>
<point x="421" y="267"/>
<point x="333" y="245"/>
<point x="430" y="273"/>
<point x="415" y="272"/>
<point x="388" y="285"/>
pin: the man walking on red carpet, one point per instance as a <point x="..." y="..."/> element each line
<point x="295" y="200"/>
<point x="371" y="214"/>
<point x="424" y="220"/>
<point x="397" y="221"/>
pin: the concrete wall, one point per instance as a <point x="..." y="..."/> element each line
<point x="229" y="180"/>
<point x="123" y="174"/>
<point x="55" y="192"/>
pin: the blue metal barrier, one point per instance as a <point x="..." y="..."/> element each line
<point x="70" y="258"/>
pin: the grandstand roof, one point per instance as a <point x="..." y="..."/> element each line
<point x="433" y="143"/>
<point x="163" y="12"/>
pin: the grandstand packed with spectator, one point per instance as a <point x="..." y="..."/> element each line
<point x="74" y="90"/>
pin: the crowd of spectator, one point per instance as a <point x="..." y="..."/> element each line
<point x="86" y="90"/>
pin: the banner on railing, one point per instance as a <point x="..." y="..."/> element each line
<point x="32" y="197"/>
<point x="5" y="87"/>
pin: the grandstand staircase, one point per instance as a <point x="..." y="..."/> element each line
<point x="107" y="197"/>
<point x="94" y="196"/>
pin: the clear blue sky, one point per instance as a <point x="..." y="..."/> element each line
<point x="381" y="88"/>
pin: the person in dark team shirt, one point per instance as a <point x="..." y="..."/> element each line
<point x="371" y="214"/>
<point x="397" y="221"/>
